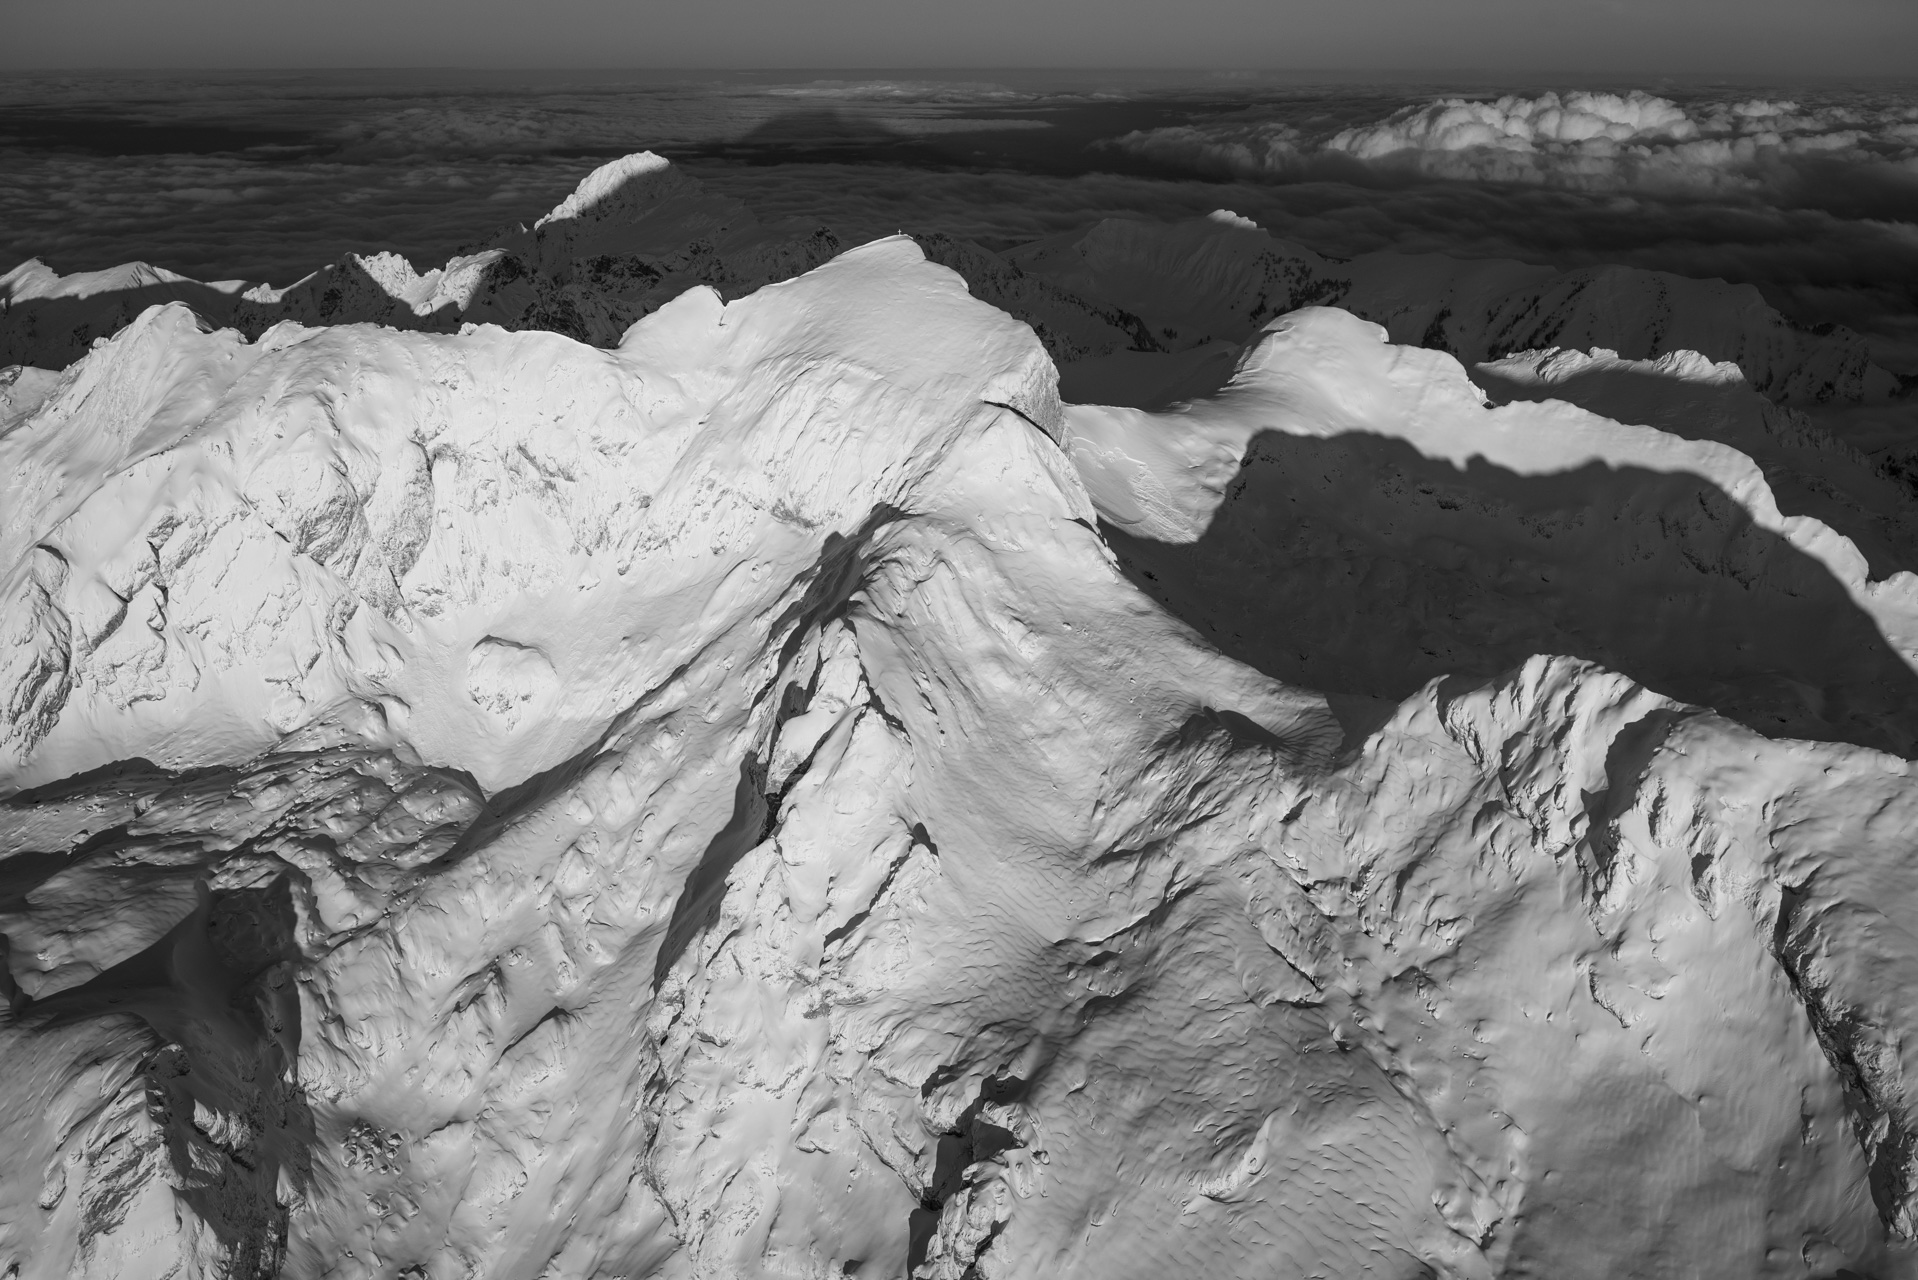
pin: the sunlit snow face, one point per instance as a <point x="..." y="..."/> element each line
<point x="1812" y="194"/>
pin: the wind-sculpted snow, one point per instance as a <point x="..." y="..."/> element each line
<point x="214" y="539"/>
<point x="483" y="804"/>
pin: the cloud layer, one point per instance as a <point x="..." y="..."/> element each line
<point x="1812" y="198"/>
<point x="1580" y="140"/>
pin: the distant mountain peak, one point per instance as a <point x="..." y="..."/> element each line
<point x="615" y="183"/>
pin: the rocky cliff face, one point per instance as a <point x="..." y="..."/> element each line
<point x="783" y="794"/>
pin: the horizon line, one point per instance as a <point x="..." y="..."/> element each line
<point x="1207" y="70"/>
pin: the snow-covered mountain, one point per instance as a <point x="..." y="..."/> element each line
<point x="1222" y="278"/>
<point x="781" y="791"/>
<point x="1351" y="515"/>
<point x="638" y="232"/>
<point x="48" y="320"/>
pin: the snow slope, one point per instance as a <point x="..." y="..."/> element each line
<point x="48" y="320"/>
<point x="1351" y="515"/>
<point x="480" y="803"/>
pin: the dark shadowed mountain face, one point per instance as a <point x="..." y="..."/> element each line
<point x="1807" y="191"/>
<point x="1356" y="564"/>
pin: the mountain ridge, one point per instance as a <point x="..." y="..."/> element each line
<point x="789" y="793"/>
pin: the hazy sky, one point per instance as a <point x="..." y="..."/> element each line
<point x="1820" y="37"/>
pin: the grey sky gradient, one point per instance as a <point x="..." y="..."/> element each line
<point x="1765" y="37"/>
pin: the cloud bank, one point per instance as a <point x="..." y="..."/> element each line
<point x="1580" y="140"/>
<point x="1810" y="195"/>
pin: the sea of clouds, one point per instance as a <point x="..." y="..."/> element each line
<point x="1811" y="195"/>
<point x="266" y="177"/>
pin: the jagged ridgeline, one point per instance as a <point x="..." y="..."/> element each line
<point x="667" y="748"/>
